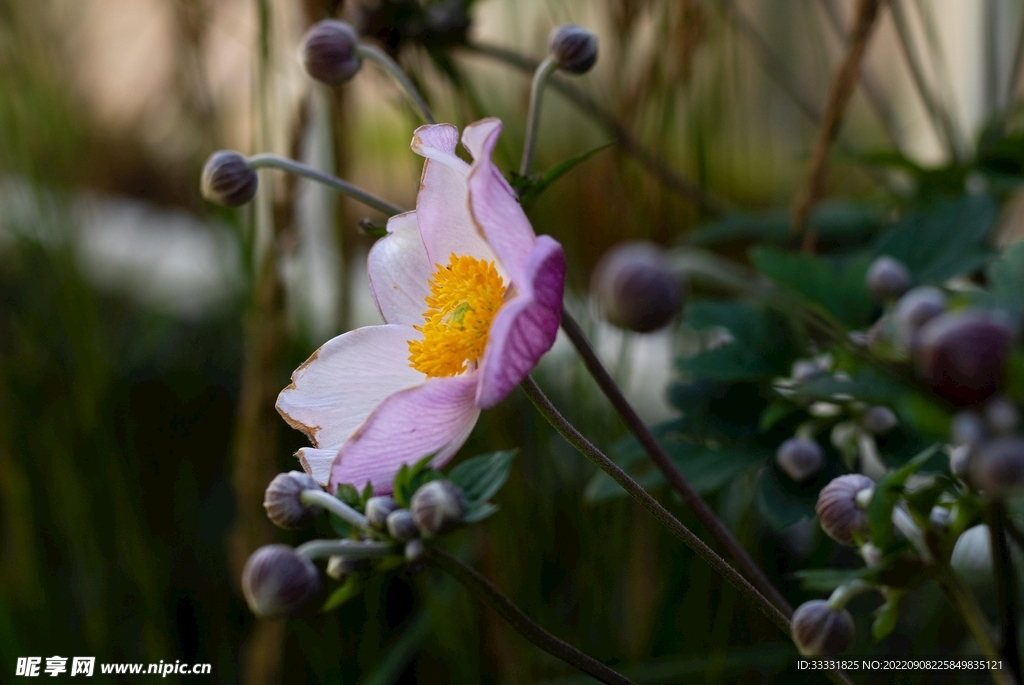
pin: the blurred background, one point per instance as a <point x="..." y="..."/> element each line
<point x="144" y="333"/>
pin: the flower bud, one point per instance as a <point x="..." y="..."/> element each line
<point x="839" y="513"/>
<point x="437" y="507"/>
<point x="887" y="278"/>
<point x="401" y="525"/>
<point x="635" y="287"/>
<point x="278" y="582"/>
<point x="800" y="458"/>
<point x="972" y="554"/>
<point x="377" y="510"/>
<point x="329" y="52"/>
<point x="879" y="420"/>
<point x="414" y="550"/>
<point x="574" y="48"/>
<point x="915" y="309"/>
<point x="961" y="355"/>
<point x="283" y="502"/>
<point x="997" y="467"/>
<point x="228" y="179"/>
<point x="820" y="630"/>
<point x="339" y="567"/>
<point x="1002" y="415"/>
<point x="967" y="428"/>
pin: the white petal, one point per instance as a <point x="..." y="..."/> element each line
<point x="400" y="272"/>
<point x="317" y="463"/>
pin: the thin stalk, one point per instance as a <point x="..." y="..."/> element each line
<point x="612" y="126"/>
<point x="1006" y="586"/>
<point x="964" y="602"/>
<point x="333" y="505"/>
<point x="384" y="61"/>
<point x="350" y="549"/>
<point x="540" y="80"/>
<point x="1013" y="82"/>
<point x="835" y="108"/>
<point x="482" y="588"/>
<point x="676" y="480"/>
<point x="272" y="161"/>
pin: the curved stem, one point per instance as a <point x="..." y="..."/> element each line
<point x="389" y="65"/>
<point x="478" y="585"/>
<point x="333" y="505"/>
<point x="967" y="606"/>
<point x="351" y="549"/>
<point x="540" y="80"/>
<point x="676" y="480"/>
<point x="272" y="161"/>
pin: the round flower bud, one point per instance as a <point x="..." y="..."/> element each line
<point x="879" y="420"/>
<point x="414" y="550"/>
<point x="574" y="48"/>
<point x="277" y="582"/>
<point x="339" y="567"/>
<point x="972" y="554"/>
<point x="635" y="287"/>
<point x="437" y="507"/>
<point x="228" y="179"/>
<point x="800" y="458"/>
<point x="839" y="514"/>
<point x="997" y="467"/>
<point x="1002" y="415"/>
<point x="283" y="502"/>
<point x="329" y="52"/>
<point x="401" y="525"/>
<point x="915" y="309"/>
<point x="887" y="278"/>
<point x="820" y="630"/>
<point x="961" y="355"/>
<point x="377" y="510"/>
<point x="967" y="428"/>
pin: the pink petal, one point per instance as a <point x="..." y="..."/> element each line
<point x="337" y="388"/>
<point x="493" y="205"/>
<point x="442" y="205"/>
<point x="317" y="463"/>
<point x="399" y="271"/>
<point x="433" y="418"/>
<point x="525" y="327"/>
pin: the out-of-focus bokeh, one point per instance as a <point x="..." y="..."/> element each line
<point x="144" y="333"/>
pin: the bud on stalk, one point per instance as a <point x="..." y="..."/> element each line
<point x="574" y="48"/>
<point x="277" y="582"/>
<point x="228" y="180"/>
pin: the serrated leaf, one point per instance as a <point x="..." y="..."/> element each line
<point x="531" y="187"/>
<point x="480" y="512"/>
<point x="350" y="589"/>
<point x="481" y="477"/>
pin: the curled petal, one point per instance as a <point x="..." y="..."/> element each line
<point x="317" y="463"/>
<point x="433" y="418"/>
<point x="493" y="205"/>
<point x="399" y="271"/>
<point x="525" y="327"/>
<point x="343" y="381"/>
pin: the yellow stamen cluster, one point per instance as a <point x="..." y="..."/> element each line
<point x="464" y="297"/>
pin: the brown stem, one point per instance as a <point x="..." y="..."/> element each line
<point x="723" y="537"/>
<point x="835" y="107"/>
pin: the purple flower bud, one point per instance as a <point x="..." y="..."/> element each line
<point x="574" y="48"/>
<point x="961" y="355"/>
<point x="879" y="420"/>
<point x="635" y="287"/>
<point x="277" y="582"/>
<point x="800" y="458"/>
<point x="887" y="278"/>
<point x="914" y="310"/>
<point x="437" y="507"/>
<point x="329" y="52"/>
<point x="228" y="179"/>
<point x="820" y="630"/>
<point x="997" y="467"/>
<point x="377" y="510"/>
<point x="283" y="503"/>
<point x="402" y="526"/>
<point x="839" y="514"/>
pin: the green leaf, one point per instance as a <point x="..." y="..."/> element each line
<point x="784" y="503"/>
<point x="350" y="589"/>
<point x="409" y="479"/>
<point x="946" y="239"/>
<point x="349" y="495"/>
<point x="887" y="494"/>
<point x="1006" y="278"/>
<point x="845" y="222"/>
<point x="479" y="512"/>
<point x="481" y="477"/>
<point x="776" y="411"/>
<point x="886" y="615"/>
<point x="837" y="290"/>
<point x="529" y="188"/>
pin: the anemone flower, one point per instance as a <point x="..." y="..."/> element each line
<point x="471" y="300"/>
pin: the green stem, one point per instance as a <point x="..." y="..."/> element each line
<point x="514" y="616"/>
<point x="964" y="602"/>
<point x="333" y="505"/>
<point x="272" y="161"/>
<point x="351" y="549"/>
<point x="389" y="65"/>
<point x="540" y="80"/>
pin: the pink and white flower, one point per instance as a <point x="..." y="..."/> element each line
<point x="471" y="298"/>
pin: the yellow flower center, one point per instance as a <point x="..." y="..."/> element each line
<point x="464" y="297"/>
